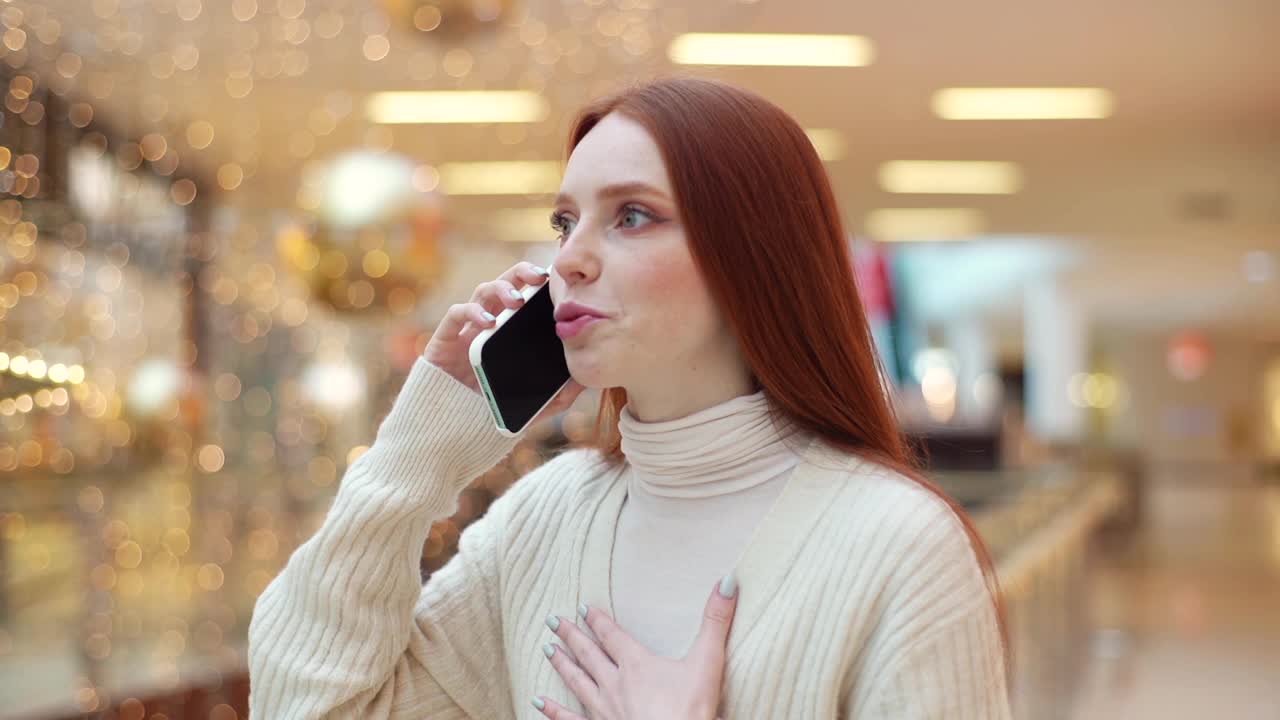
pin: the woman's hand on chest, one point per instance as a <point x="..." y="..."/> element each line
<point x="619" y="679"/>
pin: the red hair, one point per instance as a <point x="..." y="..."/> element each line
<point x="766" y="236"/>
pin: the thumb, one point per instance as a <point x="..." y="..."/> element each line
<point x="717" y="618"/>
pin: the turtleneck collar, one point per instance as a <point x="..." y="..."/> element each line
<point x="722" y="449"/>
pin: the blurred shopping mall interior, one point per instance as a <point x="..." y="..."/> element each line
<point x="228" y="227"/>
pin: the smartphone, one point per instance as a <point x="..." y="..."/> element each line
<point x="519" y="362"/>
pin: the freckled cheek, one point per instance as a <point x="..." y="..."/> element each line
<point x="658" y="280"/>
<point x="673" y="299"/>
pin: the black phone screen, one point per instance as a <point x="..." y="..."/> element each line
<point x="523" y="361"/>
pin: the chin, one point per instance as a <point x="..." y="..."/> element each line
<point x="588" y="368"/>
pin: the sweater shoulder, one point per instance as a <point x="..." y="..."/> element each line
<point x="907" y="542"/>
<point x="911" y="519"/>
<point x="895" y="493"/>
<point x="568" y="473"/>
<point x="567" y="480"/>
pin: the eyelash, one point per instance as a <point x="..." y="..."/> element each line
<point x="558" y="223"/>
<point x="560" y="220"/>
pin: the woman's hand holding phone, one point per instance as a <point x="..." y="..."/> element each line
<point x="449" y="346"/>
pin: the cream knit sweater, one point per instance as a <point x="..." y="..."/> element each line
<point x="859" y="594"/>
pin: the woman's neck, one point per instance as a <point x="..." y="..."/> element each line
<point x="673" y="394"/>
<point x="728" y="447"/>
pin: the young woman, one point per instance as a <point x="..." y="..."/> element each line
<point x="747" y="539"/>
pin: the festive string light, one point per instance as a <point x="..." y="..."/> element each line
<point x="186" y="511"/>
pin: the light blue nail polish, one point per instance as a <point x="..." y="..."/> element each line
<point x="553" y="622"/>
<point x="539" y="703"/>
<point x="548" y="650"/>
<point x="729" y="584"/>
<point x="515" y="293"/>
<point x="582" y="611"/>
<point x="540" y="270"/>
<point x="488" y="316"/>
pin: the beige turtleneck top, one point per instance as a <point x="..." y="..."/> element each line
<point x="859" y="595"/>
<point x="697" y="487"/>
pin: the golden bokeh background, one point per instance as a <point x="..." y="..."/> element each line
<point x="227" y="228"/>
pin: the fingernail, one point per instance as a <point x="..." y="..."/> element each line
<point x="729" y="584"/>
<point x="488" y="317"/>
<point x="514" y="293"/>
<point x="539" y="703"/>
<point x="541" y="270"/>
<point x="548" y="649"/>
<point x="553" y="622"/>
<point x="582" y="611"/>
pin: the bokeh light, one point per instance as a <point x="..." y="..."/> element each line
<point x="217" y="268"/>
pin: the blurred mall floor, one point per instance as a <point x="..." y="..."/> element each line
<point x="1188" y="610"/>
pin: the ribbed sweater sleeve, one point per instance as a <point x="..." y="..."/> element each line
<point x="939" y="652"/>
<point x="347" y="629"/>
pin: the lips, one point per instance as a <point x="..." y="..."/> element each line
<point x="572" y="328"/>
<point x="571" y="310"/>
<point x="573" y="318"/>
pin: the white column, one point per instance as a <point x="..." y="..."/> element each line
<point x="969" y="340"/>
<point x="1055" y="348"/>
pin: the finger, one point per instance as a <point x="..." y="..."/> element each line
<point x="717" y="618"/>
<point x="615" y="641"/>
<point x="555" y="710"/>
<point x="456" y="318"/>
<point x="496" y="295"/>
<point x="575" y="678"/>
<point x="525" y="273"/>
<point x="586" y="652"/>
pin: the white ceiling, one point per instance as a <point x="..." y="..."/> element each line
<point x="1197" y="88"/>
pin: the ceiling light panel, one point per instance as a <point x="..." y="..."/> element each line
<point x="951" y="177"/>
<point x="464" y="106"/>
<point x="1023" y="103"/>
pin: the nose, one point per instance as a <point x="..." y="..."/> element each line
<point x="578" y="260"/>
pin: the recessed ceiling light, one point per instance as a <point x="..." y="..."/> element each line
<point x="460" y="106"/>
<point x="828" y="142"/>
<point x="771" y="49"/>
<point x="950" y="177"/>
<point x="517" y="177"/>
<point x="907" y="224"/>
<point x="1022" y="103"/>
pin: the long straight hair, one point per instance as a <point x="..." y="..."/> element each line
<point x="766" y="236"/>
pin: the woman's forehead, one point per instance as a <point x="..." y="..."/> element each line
<point x="617" y="150"/>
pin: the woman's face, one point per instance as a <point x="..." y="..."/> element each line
<point x="623" y="253"/>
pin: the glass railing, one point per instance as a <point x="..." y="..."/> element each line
<point x="1038" y="525"/>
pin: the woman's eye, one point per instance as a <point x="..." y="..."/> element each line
<point x="562" y="224"/>
<point x="634" y="217"/>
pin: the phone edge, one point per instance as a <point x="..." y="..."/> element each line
<point x="493" y="402"/>
<point x="475" y="354"/>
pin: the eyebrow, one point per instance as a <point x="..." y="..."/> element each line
<point x="618" y="189"/>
